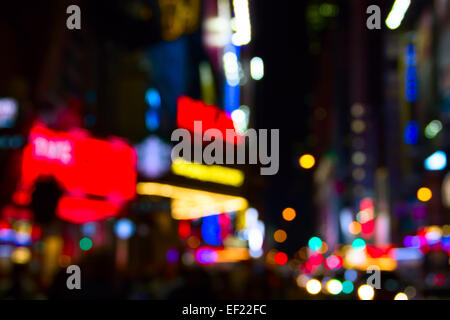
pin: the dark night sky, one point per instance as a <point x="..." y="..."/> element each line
<point x="280" y="38"/>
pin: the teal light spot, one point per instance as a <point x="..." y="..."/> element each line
<point x="358" y="244"/>
<point x="85" y="244"/>
<point x="315" y="243"/>
<point x="347" y="287"/>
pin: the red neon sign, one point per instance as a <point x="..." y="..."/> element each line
<point x="211" y="117"/>
<point x="84" y="167"/>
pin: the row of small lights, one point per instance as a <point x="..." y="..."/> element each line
<point x="333" y="286"/>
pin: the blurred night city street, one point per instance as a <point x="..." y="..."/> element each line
<point x="225" y="149"/>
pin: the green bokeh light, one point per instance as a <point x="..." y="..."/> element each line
<point x="85" y="244"/>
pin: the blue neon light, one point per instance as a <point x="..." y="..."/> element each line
<point x="211" y="230"/>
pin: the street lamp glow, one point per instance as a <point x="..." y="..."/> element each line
<point x="432" y="129"/>
<point x="231" y="68"/>
<point x="257" y="68"/>
<point x="424" y="194"/>
<point x="366" y="292"/>
<point x="397" y="14"/>
<point x="334" y="286"/>
<point x="437" y="161"/>
<point x="401" y="296"/>
<point x="313" y="286"/>
<point x="241" y="23"/>
<point x="307" y="161"/>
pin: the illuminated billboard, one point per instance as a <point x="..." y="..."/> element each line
<point x="211" y="117"/>
<point x="104" y="170"/>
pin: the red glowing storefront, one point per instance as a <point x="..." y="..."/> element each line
<point x="97" y="176"/>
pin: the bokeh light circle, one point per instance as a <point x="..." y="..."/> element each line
<point x="366" y="292"/>
<point x="289" y="214"/>
<point x="313" y="286"/>
<point x="307" y="161"/>
<point x="424" y="194"/>
<point x="85" y="244"/>
<point x="334" y="286"/>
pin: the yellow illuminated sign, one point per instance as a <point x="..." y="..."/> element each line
<point x="228" y="255"/>
<point x="190" y="203"/>
<point x="213" y="173"/>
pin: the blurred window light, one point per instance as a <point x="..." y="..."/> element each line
<point x="257" y="68"/>
<point x="358" y="126"/>
<point x="233" y="75"/>
<point x="5" y="251"/>
<point x="359" y="158"/>
<point x="88" y="229"/>
<point x="153" y="157"/>
<point x="240" y="120"/>
<point x="21" y="255"/>
<point x="8" y="112"/>
<point x="255" y="241"/>
<point x="433" y="129"/>
<point x="437" y="161"/>
<point x="407" y="254"/>
<point x="231" y="68"/>
<point x="241" y="23"/>
<point x="411" y="78"/>
<point x="22" y="239"/>
<point x="410" y="291"/>
<point x="217" y="31"/>
<point x="411" y="134"/>
<point x="357" y="110"/>
<point x="153" y="98"/>
<point x="359" y="174"/>
<point x="208" y="173"/>
<point x="397" y="14"/>
<point x="152" y="120"/>
<point x="207" y="82"/>
<point x="328" y="9"/>
<point x="345" y="218"/>
<point x="251" y="218"/>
